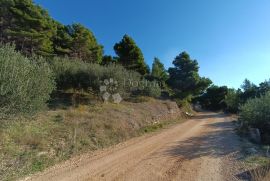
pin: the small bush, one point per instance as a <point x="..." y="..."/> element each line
<point x="25" y="83"/>
<point x="256" y="113"/>
<point x="148" y="88"/>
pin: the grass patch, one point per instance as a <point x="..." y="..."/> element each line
<point x="158" y="126"/>
<point x="151" y="128"/>
<point x="257" y="160"/>
<point x="256" y="164"/>
<point x="261" y="168"/>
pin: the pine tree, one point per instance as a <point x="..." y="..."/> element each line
<point x="33" y="31"/>
<point x="84" y="44"/>
<point x="28" y="26"/>
<point x="62" y="41"/>
<point x="130" y="55"/>
<point x="184" y="77"/>
<point x="158" y="71"/>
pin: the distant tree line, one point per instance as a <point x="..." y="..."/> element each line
<point x="230" y="100"/>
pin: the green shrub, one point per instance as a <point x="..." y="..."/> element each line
<point x="151" y="89"/>
<point x="184" y="104"/>
<point x="256" y="113"/>
<point x="75" y="74"/>
<point x="25" y="83"/>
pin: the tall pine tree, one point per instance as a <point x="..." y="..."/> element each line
<point x="33" y="31"/>
<point x="130" y="55"/>
<point x="84" y="44"/>
<point x="184" y="77"/>
<point x="27" y="25"/>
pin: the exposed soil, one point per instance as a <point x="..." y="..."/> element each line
<point x="201" y="149"/>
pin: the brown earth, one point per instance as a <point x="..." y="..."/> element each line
<point x="200" y="149"/>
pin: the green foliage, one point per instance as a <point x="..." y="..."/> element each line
<point x="62" y="41"/>
<point x="25" y="84"/>
<point x="130" y="55"/>
<point x="152" y="89"/>
<point x="28" y="25"/>
<point x="34" y="32"/>
<point x="72" y="74"/>
<point x="256" y="113"/>
<point x="151" y="128"/>
<point x="184" y="104"/>
<point x="232" y="100"/>
<point x="184" y="77"/>
<point x="84" y="44"/>
<point x="213" y="98"/>
<point x="159" y="72"/>
<point x="107" y="59"/>
<point x="264" y="87"/>
<point x="249" y="90"/>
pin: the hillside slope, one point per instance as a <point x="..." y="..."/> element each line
<point x="33" y="144"/>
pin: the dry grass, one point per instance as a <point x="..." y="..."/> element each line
<point x="28" y="145"/>
<point x="257" y="168"/>
<point x="262" y="174"/>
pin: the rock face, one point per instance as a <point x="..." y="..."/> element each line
<point x="255" y="135"/>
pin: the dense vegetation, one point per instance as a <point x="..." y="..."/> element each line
<point x="25" y="84"/>
<point x="72" y="54"/>
<point x="78" y="75"/>
<point x="251" y="102"/>
<point x="34" y="32"/>
<point x="214" y="98"/>
<point x="256" y="113"/>
<point x="223" y="98"/>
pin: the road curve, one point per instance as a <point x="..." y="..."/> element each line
<point x="196" y="150"/>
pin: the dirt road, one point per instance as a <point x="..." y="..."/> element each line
<point x="199" y="149"/>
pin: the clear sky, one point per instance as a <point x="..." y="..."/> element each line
<point x="229" y="38"/>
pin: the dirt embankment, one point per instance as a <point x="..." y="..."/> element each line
<point x="137" y="115"/>
<point x="30" y="145"/>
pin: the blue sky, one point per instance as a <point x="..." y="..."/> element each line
<point x="229" y="38"/>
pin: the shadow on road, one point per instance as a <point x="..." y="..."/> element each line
<point x="220" y="141"/>
<point x="209" y="115"/>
